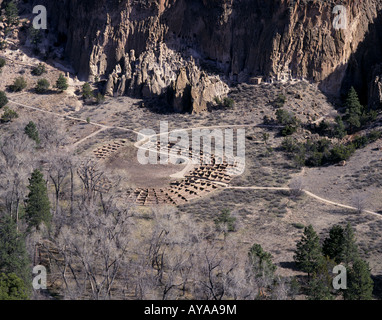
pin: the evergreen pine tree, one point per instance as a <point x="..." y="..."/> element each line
<point x="38" y="205"/>
<point x="225" y="221"/>
<point x="18" y="85"/>
<point x="62" y="83"/>
<point x="12" y="288"/>
<point x="339" y="130"/>
<point x="354" y="109"/>
<point x="11" y="12"/>
<point x="87" y="92"/>
<point x="31" y="131"/>
<point x="261" y="261"/>
<point x="3" y="62"/>
<point x="308" y="254"/>
<point x="3" y="99"/>
<point x="42" y="86"/>
<point x="350" y="248"/>
<point x="321" y="285"/>
<point x="8" y="115"/>
<point x="333" y="246"/>
<point x="360" y="284"/>
<point x="13" y="254"/>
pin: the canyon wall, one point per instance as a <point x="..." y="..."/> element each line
<point x="191" y="48"/>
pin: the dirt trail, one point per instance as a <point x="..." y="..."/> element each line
<point x="139" y="144"/>
<point x="70" y="117"/>
<point x="88" y="137"/>
<point x="310" y="194"/>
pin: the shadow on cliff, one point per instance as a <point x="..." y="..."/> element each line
<point x="158" y="104"/>
<point x="359" y="72"/>
<point x="377" y="291"/>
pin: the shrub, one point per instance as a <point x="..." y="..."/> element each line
<point x="341" y="152"/>
<point x="3" y="99"/>
<point x="286" y="118"/>
<point x="363" y="141"/>
<point x="12" y="287"/>
<point x="228" y="103"/>
<point x="2" y="62"/>
<point x="3" y="44"/>
<point x="100" y="98"/>
<point x="18" y="85"/>
<point x="62" y="83"/>
<point x="12" y="12"/>
<point x="217" y="100"/>
<point x="360" y="142"/>
<point x="225" y="222"/>
<point x="87" y="92"/>
<point x="374" y="135"/>
<point x="316" y="153"/>
<point x="9" y="115"/>
<point x="42" y="86"/>
<point x="289" y="145"/>
<point x="39" y="70"/>
<point x="280" y="101"/>
<point x="315" y="160"/>
<point x="35" y="38"/>
<point x="339" y="129"/>
<point x="323" y="126"/>
<point x="299" y="158"/>
<point x="288" y="130"/>
<point x="31" y="131"/>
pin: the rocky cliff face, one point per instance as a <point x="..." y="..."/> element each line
<point x="156" y="47"/>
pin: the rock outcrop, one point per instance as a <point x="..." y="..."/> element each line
<point x="161" y="71"/>
<point x="276" y="39"/>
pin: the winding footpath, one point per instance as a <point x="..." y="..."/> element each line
<point x="145" y="139"/>
<point x="308" y="193"/>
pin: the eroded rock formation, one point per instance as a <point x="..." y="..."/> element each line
<point x="143" y="47"/>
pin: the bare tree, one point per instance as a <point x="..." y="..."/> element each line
<point x="17" y="160"/>
<point x="52" y="132"/>
<point x="359" y="202"/>
<point x="296" y="187"/>
<point x="92" y="178"/>
<point x="93" y="246"/>
<point x="281" y="289"/>
<point x="214" y="271"/>
<point x="58" y="168"/>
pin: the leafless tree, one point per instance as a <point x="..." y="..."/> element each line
<point x="93" y="246"/>
<point x="214" y="272"/>
<point x="359" y="202"/>
<point x="281" y="289"/>
<point x="92" y="177"/>
<point x="59" y="166"/>
<point x="17" y="160"/>
<point x="165" y="255"/>
<point x="52" y="132"/>
<point x="296" y="187"/>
